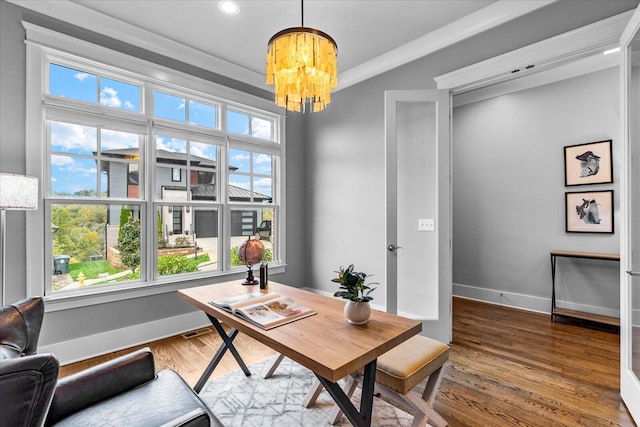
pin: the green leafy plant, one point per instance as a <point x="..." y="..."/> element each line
<point x="175" y="265"/>
<point x="352" y="286"/>
<point x="129" y="243"/>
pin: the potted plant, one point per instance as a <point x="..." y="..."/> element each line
<point x="357" y="293"/>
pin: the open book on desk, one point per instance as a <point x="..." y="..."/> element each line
<point x="264" y="310"/>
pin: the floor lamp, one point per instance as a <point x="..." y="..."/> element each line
<point x="17" y="192"/>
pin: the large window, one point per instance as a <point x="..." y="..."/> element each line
<point x="146" y="178"/>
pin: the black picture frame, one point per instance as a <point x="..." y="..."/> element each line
<point x="589" y="212"/>
<point x="587" y="164"/>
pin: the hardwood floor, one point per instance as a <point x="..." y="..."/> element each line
<point x="507" y="367"/>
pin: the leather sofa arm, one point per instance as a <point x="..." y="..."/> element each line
<point x="101" y="382"/>
<point x="27" y="385"/>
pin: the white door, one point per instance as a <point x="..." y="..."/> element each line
<point x="418" y="203"/>
<point x="630" y="205"/>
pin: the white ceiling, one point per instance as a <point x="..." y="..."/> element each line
<point x="372" y="36"/>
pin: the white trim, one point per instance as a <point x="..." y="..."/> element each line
<point x="579" y="67"/>
<point x="546" y="54"/>
<point x="482" y="20"/>
<point x="525" y="302"/>
<point x="629" y="381"/>
<point x="86" y="347"/>
<point x="97" y="22"/>
<point x="471" y="25"/>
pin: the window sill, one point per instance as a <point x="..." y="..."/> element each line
<point x="106" y="296"/>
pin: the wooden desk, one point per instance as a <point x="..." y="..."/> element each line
<point x="325" y="343"/>
<point x="612" y="321"/>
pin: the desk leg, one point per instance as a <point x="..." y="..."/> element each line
<point x="360" y="418"/>
<point x="553" y="285"/>
<point x="226" y="345"/>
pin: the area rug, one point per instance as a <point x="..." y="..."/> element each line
<point x="240" y="401"/>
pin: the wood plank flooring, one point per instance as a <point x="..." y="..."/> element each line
<point x="507" y="367"/>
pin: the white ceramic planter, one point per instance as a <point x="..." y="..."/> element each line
<point x="357" y="313"/>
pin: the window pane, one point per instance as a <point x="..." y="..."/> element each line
<point x="239" y="188"/>
<point x="239" y="160"/>
<point x="117" y="94"/>
<point x="73" y="139"/>
<point x="204" y="177"/>
<point x="262" y="163"/>
<point x="237" y="122"/>
<point x="169" y="106"/>
<point x="202" y="114"/>
<point x="261" y="128"/>
<point x="73" y="176"/>
<point x="73" y="84"/>
<point x="252" y="222"/>
<point x="178" y="249"/>
<point x="171" y="175"/>
<point x="207" y="154"/>
<point x="85" y="245"/>
<point x="120" y="144"/>
<point x="262" y="190"/>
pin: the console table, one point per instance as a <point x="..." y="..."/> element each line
<point x="612" y="321"/>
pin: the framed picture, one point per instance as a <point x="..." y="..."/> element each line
<point x="590" y="163"/>
<point x="589" y="212"/>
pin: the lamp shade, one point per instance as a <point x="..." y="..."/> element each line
<point x="302" y="66"/>
<point x="18" y="192"/>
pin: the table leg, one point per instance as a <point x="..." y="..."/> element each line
<point x="553" y="285"/>
<point x="360" y="418"/>
<point x="226" y="345"/>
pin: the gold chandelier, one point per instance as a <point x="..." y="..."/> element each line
<point x="302" y="65"/>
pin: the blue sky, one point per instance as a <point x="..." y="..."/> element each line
<point x="71" y="171"/>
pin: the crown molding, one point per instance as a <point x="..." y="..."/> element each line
<point x="545" y="55"/>
<point x="80" y="16"/>
<point x="484" y="19"/>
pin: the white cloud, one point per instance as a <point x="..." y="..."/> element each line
<point x="109" y="98"/>
<point x="261" y="128"/>
<point x="83" y="76"/>
<point x="70" y="137"/>
<point x="262" y="158"/>
<point x="171" y="144"/>
<point x="61" y="161"/>
<point x="112" y="140"/>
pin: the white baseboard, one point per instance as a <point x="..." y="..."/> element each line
<point x="525" y="302"/>
<point x="107" y="342"/>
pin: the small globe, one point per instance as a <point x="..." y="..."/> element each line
<point x="251" y="252"/>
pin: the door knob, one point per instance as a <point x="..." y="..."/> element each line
<point x="393" y="247"/>
<point x="633" y="273"/>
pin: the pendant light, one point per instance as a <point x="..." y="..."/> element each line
<point x="302" y="66"/>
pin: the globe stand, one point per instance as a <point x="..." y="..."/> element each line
<point x="251" y="253"/>
<point x="250" y="280"/>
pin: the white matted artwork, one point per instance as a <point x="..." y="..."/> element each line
<point x="590" y="163"/>
<point x="589" y="212"/>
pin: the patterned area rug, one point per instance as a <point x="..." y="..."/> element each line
<point x="240" y="401"/>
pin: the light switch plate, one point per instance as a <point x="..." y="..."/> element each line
<point x="426" y="225"/>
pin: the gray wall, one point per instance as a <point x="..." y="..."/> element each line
<point x="508" y="194"/>
<point x="345" y="149"/>
<point x="127" y="315"/>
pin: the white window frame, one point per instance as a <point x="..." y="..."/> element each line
<point x="43" y="43"/>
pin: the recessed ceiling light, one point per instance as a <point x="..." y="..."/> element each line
<point x="228" y="7"/>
